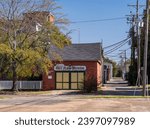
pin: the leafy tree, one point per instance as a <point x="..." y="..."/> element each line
<point x="26" y="34"/>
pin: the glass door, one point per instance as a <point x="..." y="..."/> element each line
<point x="62" y="80"/>
<point x="70" y="80"/>
<point x="77" y="80"/>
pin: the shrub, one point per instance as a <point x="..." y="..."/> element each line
<point x="132" y="75"/>
<point x="90" y="84"/>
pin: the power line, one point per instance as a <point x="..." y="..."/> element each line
<point x="115" y="43"/>
<point x="98" y="20"/>
<point x="116" y="48"/>
<point x="125" y="49"/>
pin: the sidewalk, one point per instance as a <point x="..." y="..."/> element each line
<point x="117" y="86"/>
<point x="117" y="81"/>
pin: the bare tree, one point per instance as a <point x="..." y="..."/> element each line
<point x="28" y="28"/>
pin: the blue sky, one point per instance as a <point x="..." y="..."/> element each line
<point x="107" y="31"/>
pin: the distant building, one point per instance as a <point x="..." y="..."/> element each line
<point x="40" y="16"/>
<point x="36" y="19"/>
<point x="107" y="72"/>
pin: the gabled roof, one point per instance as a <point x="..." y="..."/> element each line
<point x="79" y="52"/>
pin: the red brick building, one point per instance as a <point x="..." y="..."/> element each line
<point x="80" y="62"/>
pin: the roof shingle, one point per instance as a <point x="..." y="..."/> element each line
<point x="79" y="52"/>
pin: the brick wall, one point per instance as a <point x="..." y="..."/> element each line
<point x="93" y="68"/>
<point x="99" y="74"/>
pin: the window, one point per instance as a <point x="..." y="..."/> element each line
<point x="70" y="80"/>
<point x="62" y="80"/>
<point x="80" y="80"/>
<point x="38" y="27"/>
<point x="77" y="80"/>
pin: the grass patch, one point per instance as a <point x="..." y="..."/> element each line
<point x="24" y="92"/>
<point x="33" y="92"/>
<point x="1" y="97"/>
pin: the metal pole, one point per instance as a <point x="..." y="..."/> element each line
<point x="125" y="63"/>
<point x="122" y="67"/>
<point x="146" y="48"/>
<point x="138" y="43"/>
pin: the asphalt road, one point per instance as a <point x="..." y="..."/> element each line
<point x="64" y="103"/>
<point x="56" y="102"/>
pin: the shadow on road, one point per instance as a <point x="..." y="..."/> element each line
<point x="115" y="86"/>
<point x="122" y="93"/>
<point x="120" y="87"/>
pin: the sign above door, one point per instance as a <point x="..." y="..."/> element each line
<point x="62" y="67"/>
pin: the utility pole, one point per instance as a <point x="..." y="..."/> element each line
<point x="146" y="48"/>
<point x="125" y="62"/>
<point x="138" y="42"/>
<point x="122" y="66"/>
<point x="131" y="21"/>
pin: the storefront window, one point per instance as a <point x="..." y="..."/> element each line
<point x="59" y="85"/>
<point x="69" y="80"/>
<point x="74" y="86"/>
<point x="65" y="77"/>
<point x="74" y="77"/>
<point x="80" y="85"/>
<point x="80" y="77"/>
<point x="59" y="77"/>
<point x="65" y="85"/>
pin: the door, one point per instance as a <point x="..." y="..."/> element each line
<point x="77" y="80"/>
<point x="70" y="80"/>
<point x="62" y="80"/>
